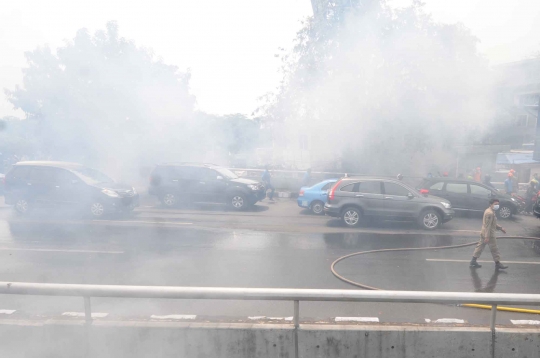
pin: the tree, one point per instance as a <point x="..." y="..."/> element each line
<point x="386" y="89"/>
<point x="101" y="98"/>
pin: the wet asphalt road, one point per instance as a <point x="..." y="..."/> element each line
<point x="209" y="246"/>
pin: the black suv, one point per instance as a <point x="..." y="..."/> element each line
<point x="355" y="197"/>
<point x="36" y="184"/>
<point x="188" y="183"/>
<point x="469" y="196"/>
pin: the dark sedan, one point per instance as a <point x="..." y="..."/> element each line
<point x="469" y="196"/>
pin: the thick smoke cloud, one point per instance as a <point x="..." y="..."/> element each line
<point x="385" y="91"/>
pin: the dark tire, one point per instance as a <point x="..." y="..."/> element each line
<point x="169" y="200"/>
<point x="351" y="216"/>
<point x="317" y="207"/>
<point x="505" y="212"/>
<point x="22" y="206"/>
<point x="238" y="202"/>
<point x="429" y="220"/>
<point x="96" y="210"/>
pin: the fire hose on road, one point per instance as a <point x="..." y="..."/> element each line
<point x="472" y="305"/>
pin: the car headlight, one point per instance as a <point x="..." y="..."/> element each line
<point x="513" y="199"/>
<point x="111" y="193"/>
<point x="446" y="205"/>
<point x="253" y="186"/>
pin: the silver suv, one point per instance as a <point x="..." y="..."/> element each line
<point x="356" y="197"/>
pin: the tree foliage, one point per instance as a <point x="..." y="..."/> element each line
<point x="102" y="95"/>
<point x="383" y="86"/>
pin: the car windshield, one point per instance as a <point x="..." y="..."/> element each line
<point x="226" y="173"/>
<point x="92" y="176"/>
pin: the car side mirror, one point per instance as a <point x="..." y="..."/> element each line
<point x="219" y="177"/>
<point x="410" y="196"/>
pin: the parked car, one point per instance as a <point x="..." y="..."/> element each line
<point x="192" y="182"/>
<point x="30" y="185"/>
<point x="469" y="196"/>
<point x="353" y="198"/>
<point x="314" y="197"/>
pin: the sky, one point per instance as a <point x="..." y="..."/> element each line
<point x="230" y="46"/>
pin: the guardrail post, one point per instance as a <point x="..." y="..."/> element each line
<point x="493" y="317"/>
<point x="492" y="326"/>
<point x="296" y="320"/>
<point x="87" y="310"/>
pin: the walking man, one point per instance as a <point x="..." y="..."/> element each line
<point x="488" y="236"/>
<point x="267" y="181"/>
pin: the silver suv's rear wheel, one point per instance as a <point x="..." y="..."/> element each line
<point x="351" y="217"/>
<point x="429" y="220"/>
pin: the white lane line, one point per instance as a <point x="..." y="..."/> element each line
<point x="256" y="317"/>
<point x="7" y="311"/>
<point x="524" y="321"/>
<point x="58" y="250"/>
<point x="280" y="318"/>
<point x="504" y="261"/>
<point x="175" y="316"/>
<point x="142" y="222"/>
<point x="357" y="319"/>
<point x="81" y="314"/>
<point x="445" y="320"/>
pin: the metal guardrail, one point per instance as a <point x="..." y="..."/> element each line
<point x="273" y="294"/>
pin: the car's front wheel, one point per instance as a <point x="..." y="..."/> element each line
<point x="505" y="212"/>
<point x="238" y="202"/>
<point x="351" y="217"/>
<point x="317" y="207"/>
<point x="429" y="220"/>
<point x="97" y="210"/>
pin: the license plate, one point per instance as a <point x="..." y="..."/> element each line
<point x="304" y="203"/>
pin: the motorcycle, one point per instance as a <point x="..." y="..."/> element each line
<point x="521" y="203"/>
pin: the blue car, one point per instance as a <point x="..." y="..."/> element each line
<point x="314" y="197"/>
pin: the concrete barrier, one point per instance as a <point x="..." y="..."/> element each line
<point x="103" y="339"/>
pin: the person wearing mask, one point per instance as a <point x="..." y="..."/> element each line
<point x="488" y="237"/>
<point x="508" y="184"/>
<point x="487" y="181"/>
<point x="478" y="175"/>
<point x="267" y="181"/>
<point x="307" y="178"/>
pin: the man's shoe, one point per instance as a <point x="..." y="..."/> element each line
<point x="474" y="264"/>
<point x="499" y="266"/>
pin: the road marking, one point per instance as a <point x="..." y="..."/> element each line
<point x="7" y="311"/>
<point x="175" y="316"/>
<point x="525" y="321"/>
<point x="141" y="222"/>
<point x="81" y="314"/>
<point x="357" y="319"/>
<point x="257" y="317"/>
<point x="445" y="320"/>
<point x="280" y="318"/>
<point x="58" y="250"/>
<point x="509" y="262"/>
